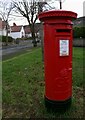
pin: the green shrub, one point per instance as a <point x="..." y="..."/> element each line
<point x="0" y="38"/>
<point x="10" y="39"/>
<point x="79" y="32"/>
<point x="19" y="38"/>
<point x="24" y="38"/>
<point x="3" y="39"/>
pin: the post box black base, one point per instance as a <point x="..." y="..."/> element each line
<point x="58" y="106"/>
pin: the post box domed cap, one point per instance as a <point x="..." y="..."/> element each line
<point x="57" y="13"/>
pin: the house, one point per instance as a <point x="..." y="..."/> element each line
<point x="3" y="28"/>
<point x="17" y="31"/>
<point x="23" y="31"/>
<point x="27" y="31"/>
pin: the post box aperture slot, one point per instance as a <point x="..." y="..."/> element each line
<point x="63" y="30"/>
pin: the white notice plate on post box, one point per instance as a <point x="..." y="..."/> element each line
<point x="64" y="47"/>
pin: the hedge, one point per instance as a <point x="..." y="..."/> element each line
<point x="79" y="32"/>
<point x="3" y="39"/>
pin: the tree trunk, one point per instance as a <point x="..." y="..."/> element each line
<point x="6" y="40"/>
<point x="33" y="35"/>
<point x="42" y="40"/>
<point x="6" y="33"/>
<point x="34" y="39"/>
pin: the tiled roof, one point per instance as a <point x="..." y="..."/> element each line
<point x="16" y="28"/>
<point x="27" y="29"/>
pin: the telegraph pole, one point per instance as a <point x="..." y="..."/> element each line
<point x="60" y="4"/>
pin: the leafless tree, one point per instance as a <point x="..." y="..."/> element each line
<point x="29" y="10"/>
<point x="5" y="11"/>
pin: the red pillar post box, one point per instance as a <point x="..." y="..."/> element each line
<point x="58" y="57"/>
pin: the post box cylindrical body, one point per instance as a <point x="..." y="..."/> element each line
<point x="58" y="56"/>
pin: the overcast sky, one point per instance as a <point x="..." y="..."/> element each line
<point x="71" y="5"/>
<point x="74" y="5"/>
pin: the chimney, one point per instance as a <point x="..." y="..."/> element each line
<point x="14" y="24"/>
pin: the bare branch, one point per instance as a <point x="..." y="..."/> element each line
<point x="29" y="10"/>
<point x="35" y="18"/>
<point x="5" y="11"/>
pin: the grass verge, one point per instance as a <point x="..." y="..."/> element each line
<point x="23" y="87"/>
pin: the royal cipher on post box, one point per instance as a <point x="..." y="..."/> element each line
<point x="58" y="57"/>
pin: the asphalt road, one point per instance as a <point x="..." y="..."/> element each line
<point x="13" y="50"/>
